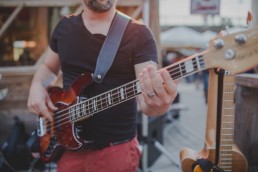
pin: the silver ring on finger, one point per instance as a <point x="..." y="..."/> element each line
<point x="151" y="94"/>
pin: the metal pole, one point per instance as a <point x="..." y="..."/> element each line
<point x="145" y="145"/>
<point x="161" y="148"/>
<point x="144" y="117"/>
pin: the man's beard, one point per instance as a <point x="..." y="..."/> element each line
<point x="98" y="7"/>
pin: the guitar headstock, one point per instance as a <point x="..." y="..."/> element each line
<point x="235" y="53"/>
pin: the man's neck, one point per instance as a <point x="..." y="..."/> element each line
<point x="98" y="22"/>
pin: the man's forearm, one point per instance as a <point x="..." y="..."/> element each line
<point x="44" y="76"/>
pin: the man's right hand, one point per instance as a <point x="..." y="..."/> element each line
<point x="39" y="101"/>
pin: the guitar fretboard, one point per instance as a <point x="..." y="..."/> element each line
<point x="91" y="106"/>
<point x="104" y="101"/>
<point x="227" y="124"/>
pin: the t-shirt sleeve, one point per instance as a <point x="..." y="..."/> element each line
<point x="54" y="37"/>
<point x="53" y="41"/>
<point x="146" y="48"/>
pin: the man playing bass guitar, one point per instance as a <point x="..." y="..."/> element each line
<point x="109" y="137"/>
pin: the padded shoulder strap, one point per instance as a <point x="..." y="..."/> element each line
<point x="110" y="46"/>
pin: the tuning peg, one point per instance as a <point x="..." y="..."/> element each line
<point x="241" y="38"/>
<point x="218" y="43"/>
<point x="229" y="54"/>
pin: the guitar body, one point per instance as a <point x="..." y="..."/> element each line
<point x="61" y="134"/>
<point x="188" y="157"/>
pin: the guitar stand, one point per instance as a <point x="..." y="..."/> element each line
<point x="156" y="143"/>
<point x="205" y="165"/>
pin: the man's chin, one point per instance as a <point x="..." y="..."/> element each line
<point x="99" y="6"/>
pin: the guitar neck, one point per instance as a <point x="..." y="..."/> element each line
<point x="91" y="106"/>
<point x="227" y="124"/>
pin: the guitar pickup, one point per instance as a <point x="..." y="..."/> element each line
<point x="41" y="128"/>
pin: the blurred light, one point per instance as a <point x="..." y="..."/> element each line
<point x="64" y="11"/>
<point x="19" y="46"/>
<point x="24" y="44"/>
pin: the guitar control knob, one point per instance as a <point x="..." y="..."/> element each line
<point x="218" y="43"/>
<point x="229" y="54"/>
<point x="99" y="77"/>
<point x="241" y="39"/>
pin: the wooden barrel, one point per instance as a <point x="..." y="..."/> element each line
<point x="246" y="117"/>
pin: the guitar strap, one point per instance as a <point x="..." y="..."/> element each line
<point x="220" y="73"/>
<point x="110" y="46"/>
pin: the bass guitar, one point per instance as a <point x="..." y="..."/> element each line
<point x="235" y="53"/>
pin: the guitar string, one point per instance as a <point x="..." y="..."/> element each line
<point x="64" y="120"/>
<point x="100" y="95"/>
<point x="201" y="62"/>
<point x="168" y="67"/>
<point x="63" y="117"/>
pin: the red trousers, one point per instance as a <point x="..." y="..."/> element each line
<point x="124" y="157"/>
